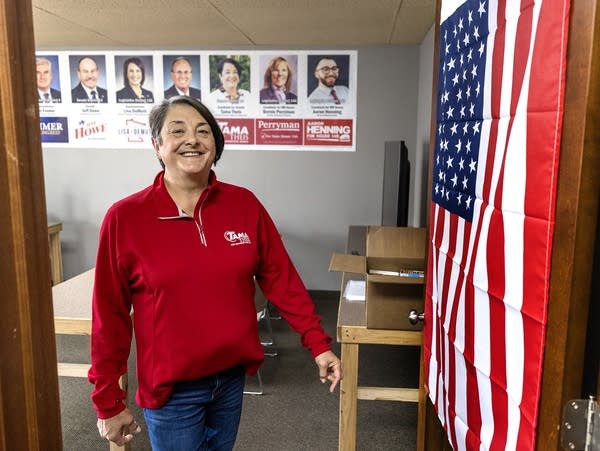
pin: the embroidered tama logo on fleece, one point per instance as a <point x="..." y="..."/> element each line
<point x="237" y="238"/>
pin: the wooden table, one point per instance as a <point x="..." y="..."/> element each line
<point x="56" y="268"/>
<point x="352" y="332"/>
<point x="72" y="300"/>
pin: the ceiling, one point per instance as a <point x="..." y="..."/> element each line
<point x="181" y="24"/>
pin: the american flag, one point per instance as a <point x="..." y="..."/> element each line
<point x="499" y="115"/>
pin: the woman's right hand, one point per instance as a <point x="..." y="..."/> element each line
<point x="119" y="429"/>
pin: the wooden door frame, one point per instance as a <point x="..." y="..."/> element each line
<point x="29" y="400"/>
<point x="575" y="228"/>
<point x="430" y="432"/>
<point x="578" y="192"/>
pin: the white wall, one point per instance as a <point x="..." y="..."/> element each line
<point x="421" y="157"/>
<point x="312" y="196"/>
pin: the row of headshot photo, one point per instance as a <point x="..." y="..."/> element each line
<point x="326" y="78"/>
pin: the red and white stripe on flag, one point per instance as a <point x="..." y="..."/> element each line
<point x="499" y="116"/>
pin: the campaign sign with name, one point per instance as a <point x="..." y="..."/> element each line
<point x="328" y="132"/>
<point x="54" y="129"/>
<point x="90" y="130"/>
<point x="237" y="131"/>
<point x="134" y="130"/>
<point x="279" y="131"/>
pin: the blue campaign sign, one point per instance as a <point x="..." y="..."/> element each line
<point x="54" y="129"/>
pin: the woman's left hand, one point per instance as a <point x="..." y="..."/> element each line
<point x="330" y="368"/>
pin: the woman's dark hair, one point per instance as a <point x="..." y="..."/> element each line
<point x="139" y="63"/>
<point x="159" y="113"/>
<point x="222" y="63"/>
<point x="273" y="66"/>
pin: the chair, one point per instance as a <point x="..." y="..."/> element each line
<point x="262" y="314"/>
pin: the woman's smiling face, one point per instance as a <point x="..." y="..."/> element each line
<point x="187" y="144"/>
<point x="279" y="75"/>
<point x="229" y="77"/>
<point x="134" y="74"/>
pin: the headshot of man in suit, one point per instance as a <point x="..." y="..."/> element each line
<point x="43" y="71"/>
<point x="87" y="90"/>
<point x="327" y="72"/>
<point x="182" y="76"/>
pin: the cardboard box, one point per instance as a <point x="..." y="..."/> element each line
<point x="394" y="270"/>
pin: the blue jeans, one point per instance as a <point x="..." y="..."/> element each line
<point x="201" y="415"/>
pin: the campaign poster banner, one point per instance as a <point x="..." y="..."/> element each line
<point x="289" y="100"/>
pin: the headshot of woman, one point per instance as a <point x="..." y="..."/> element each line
<point x="277" y="82"/>
<point x="229" y="71"/>
<point x="134" y="75"/>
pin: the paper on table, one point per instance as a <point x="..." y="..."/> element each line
<point x="355" y="290"/>
<point x="401" y="273"/>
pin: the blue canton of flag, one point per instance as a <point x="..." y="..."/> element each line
<point x="459" y="108"/>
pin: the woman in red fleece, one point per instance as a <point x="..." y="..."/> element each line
<point x="183" y="254"/>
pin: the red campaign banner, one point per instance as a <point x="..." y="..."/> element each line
<point x="279" y="131"/>
<point x="328" y="132"/>
<point x="237" y="131"/>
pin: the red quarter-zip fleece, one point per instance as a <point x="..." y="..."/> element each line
<point x="190" y="283"/>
